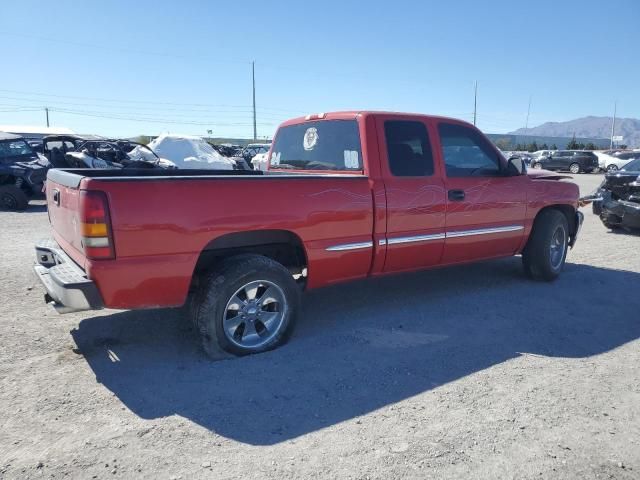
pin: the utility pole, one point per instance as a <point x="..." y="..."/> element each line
<point x="526" y="124"/>
<point x="253" y="79"/>
<point x="613" y="123"/>
<point x="46" y="111"/>
<point x="475" y="102"/>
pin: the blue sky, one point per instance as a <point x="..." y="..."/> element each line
<point x="125" y="68"/>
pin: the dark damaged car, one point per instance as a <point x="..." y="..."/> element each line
<point x="617" y="200"/>
<point x="22" y="172"/>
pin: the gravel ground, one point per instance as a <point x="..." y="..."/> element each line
<point x="467" y="372"/>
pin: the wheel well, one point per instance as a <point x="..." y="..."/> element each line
<point x="7" y="180"/>
<point x="282" y="246"/>
<point x="567" y="210"/>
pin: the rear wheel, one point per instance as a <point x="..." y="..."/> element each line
<point x="537" y="166"/>
<point x="574" y="168"/>
<point x="546" y="251"/>
<point x="12" y="198"/>
<point x="247" y="305"/>
<point x="612" y="168"/>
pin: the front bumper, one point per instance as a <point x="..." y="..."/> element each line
<point x="68" y="288"/>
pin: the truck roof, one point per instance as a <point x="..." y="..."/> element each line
<point x="352" y="114"/>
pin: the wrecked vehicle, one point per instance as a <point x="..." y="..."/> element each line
<point x="617" y="200"/>
<point x="74" y="151"/>
<point x="245" y="156"/>
<point x="115" y="154"/>
<point x="227" y="149"/>
<point x="190" y="152"/>
<point x="22" y="172"/>
<point x="55" y="148"/>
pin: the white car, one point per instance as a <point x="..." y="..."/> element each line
<point x="259" y="161"/>
<point x="614" y="161"/>
<point x="188" y="151"/>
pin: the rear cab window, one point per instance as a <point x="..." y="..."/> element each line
<point x="332" y="145"/>
<point x="408" y="148"/>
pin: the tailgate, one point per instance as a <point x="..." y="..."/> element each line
<point x="63" y="202"/>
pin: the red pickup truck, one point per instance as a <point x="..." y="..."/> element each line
<point x="347" y="195"/>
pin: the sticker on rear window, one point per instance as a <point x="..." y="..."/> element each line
<point x="351" y="159"/>
<point x="310" y="138"/>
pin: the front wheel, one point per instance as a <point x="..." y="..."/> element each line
<point x="537" y="166"/>
<point x="546" y="251"/>
<point x="247" y="305"/>
<point x="612" y="168"/>
<point x="574" y="168"/>
<point x="13" y="198"/>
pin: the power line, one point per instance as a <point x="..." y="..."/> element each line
<point x="149" y="102"/>
<point x="150" y="119"/>
<point x="195" y="114"/>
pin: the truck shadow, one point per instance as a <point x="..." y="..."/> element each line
<point x="360" y="347"/>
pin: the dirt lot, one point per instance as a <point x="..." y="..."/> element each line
<point x="469" y="372"/>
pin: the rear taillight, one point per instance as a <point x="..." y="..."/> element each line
<point x="95" y="226"/>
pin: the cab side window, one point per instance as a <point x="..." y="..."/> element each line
<point x="466" y="153"/>
<point x="408" y="148"/>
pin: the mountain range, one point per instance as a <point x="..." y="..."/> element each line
<point x="588" y="127"/>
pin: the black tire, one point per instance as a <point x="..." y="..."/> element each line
<point x="541" y="261"/>
<point x="612" y="168"/>
<point x="221" y="286"/>
<point x="12" y="198"/>
<point x="537" y="166"/>
<point x="575" y="168"/>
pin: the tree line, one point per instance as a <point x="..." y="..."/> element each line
<point x="505" y="144"/>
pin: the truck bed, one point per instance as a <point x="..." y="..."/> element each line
<point x="162" y="221"/>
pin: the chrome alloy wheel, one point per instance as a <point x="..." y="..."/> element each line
<point x="558" y="247"/>
<point x="254" y="314"/>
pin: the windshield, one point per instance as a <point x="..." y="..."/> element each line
<point x="142" y="153"/>
<point x="14" y="148"/>
<point x="633" y="166"/>
<point x="321" y="145"/>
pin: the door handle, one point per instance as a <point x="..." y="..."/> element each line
<point x="56" y="197"/>
<point x="456" y="195"/>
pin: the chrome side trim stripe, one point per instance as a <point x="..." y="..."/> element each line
<point x="415" y="238"/>
<point x="485" y="231"/>
<point x="349" y="246"/>
<point x="425" y="238"/>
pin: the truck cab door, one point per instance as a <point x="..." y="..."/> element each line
<point x="415" y="195"/>
<point x="485" y="207"/>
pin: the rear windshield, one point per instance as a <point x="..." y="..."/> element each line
<point x="321" y="145"/>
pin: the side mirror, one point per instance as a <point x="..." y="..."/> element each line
<point x="516" y="166"/>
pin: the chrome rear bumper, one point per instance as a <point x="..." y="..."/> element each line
<point x="67" y="287"/>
